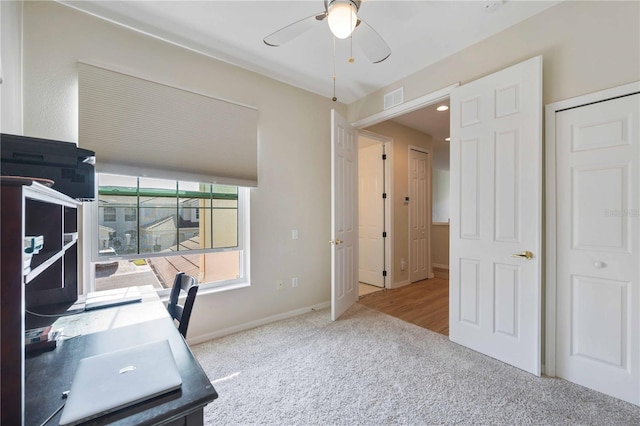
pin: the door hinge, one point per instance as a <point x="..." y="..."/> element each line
<point x="384" y="156"/>
<point x="384" y="195"/>
<point x="384" y="234"/>
<point x="384" y="273"/>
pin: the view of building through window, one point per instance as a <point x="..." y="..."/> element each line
<point x="166" y="221"/>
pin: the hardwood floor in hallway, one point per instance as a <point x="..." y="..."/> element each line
<point x="423" y="303"/>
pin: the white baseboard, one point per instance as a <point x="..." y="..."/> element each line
<point x="441" y="266"/>
<point x="399" y="284"/>
<point x="253" y="324"/>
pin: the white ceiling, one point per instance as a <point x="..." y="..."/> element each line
<point x="436" y="123"/>
<point x="419" y="33"/>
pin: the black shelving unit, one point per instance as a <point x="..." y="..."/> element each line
<point x="31" y="209"/>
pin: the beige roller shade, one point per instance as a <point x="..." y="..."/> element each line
<point x="143" y="128"/>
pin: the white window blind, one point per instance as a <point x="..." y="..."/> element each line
<point x="142" y="128"/>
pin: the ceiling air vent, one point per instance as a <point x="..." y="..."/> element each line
<point x="394" y="98"/>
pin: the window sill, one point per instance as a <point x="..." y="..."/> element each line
<point x="209" y="290"/>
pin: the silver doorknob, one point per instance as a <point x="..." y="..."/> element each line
<point x="525" y="254"/>
<point x="336" y="242"/>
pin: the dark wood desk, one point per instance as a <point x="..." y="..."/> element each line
<point x="48" y="374"/>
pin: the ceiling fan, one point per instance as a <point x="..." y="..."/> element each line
<point x="343" y="22"/>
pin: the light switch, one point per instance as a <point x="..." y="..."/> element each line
<point x="294" y="234"/>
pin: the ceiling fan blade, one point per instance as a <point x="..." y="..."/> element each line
<point x="373" y="46"/>
<point x="292" y="31"/>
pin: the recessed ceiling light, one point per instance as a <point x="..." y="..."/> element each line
<point x="442" y="108"/>
<point x="447" y="139"/>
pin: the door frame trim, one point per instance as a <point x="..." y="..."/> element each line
<point x="549" y="366"/>
<point x="387" y="142"/>
<point x="404" y="108"/>
<point x="429" y="206"/>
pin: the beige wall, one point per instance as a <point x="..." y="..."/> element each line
<point x="440" y="198"/>
<point x="587" y="46"/>
<point x="440" y="246"/>
<point x="11" y="66"/>
<point x="440" y="218"/>
<point x="294" y="141"/>
<point x="402" y="137"/>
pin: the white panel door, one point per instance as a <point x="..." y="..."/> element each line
<point x="344" y="215"/>
<point x="371" y="218"/>
<point x="419" y="215"/>
<point x="496" y="215"/>
<point x="598" y="253"/>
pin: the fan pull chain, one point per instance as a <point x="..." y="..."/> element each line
<point x="334" y="70"/>
<point x="351" y="60"/>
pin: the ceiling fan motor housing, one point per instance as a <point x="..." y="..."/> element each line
<point x="328" y="3"/>
<point x="342" y="17"/>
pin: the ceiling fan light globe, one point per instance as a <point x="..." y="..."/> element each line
<point x="342" y="18"/>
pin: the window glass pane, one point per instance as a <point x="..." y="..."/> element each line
<point x="117" y="202"/>
<point x="160" y="271"/>
<point x="125" y="273"/>
<point x="225" y="223"/>
<point x="158" y="229"/>
<point x="192" y="198"/>
<point x="130" y="214"/>
<point x="225" y="189"/>
<point x="119" y="182"/>
<point x="108" y="214"/>
<point x="225" y="216"/>
<point x="158" y="193"/>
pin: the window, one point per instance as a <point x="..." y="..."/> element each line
<point x="130" y="214"/>
<point x="109" y="214"/>
<point x="150" y="229"/>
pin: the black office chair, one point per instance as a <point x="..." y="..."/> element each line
<point x="182" y="313"/>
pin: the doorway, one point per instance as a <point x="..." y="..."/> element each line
<point x="421" y="300"/>
<point x="513" y="305"/>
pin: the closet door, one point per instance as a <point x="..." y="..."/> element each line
<point x="598" y="253"/>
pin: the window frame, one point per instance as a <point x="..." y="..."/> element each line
<point x="90" y="246"/>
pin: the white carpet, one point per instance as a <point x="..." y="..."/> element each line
<point x="371" y="369"/>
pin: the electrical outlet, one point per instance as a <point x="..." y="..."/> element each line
<point x="279" y="284"/>
<point x="294" y="282"/>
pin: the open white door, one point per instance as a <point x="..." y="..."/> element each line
<point x="371" y="214"/>
<point x="496" y="215"/>
<point x="344" y="215"/>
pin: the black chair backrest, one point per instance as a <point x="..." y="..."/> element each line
<point x="182" y="313"/>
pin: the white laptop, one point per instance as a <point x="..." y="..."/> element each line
<point x="108" y="382"/>
<point x="115" y="297"/>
